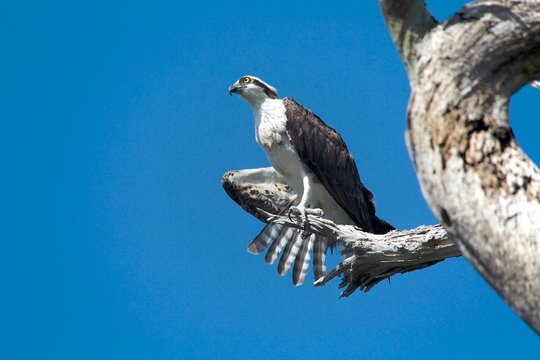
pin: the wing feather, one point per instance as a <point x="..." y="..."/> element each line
<point x="258" y="189"/>
<point x="325" y="153"/>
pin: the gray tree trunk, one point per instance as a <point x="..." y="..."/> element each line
<point x="474" y="176"/>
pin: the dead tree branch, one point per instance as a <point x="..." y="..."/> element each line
<point x="372" y="258"/>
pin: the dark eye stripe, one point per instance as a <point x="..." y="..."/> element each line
<point x="269" y="92"/>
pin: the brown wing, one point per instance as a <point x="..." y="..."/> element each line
<point x="254" y="194"/>
<point x="256" y="189"/>
<point x="323" y="150"/>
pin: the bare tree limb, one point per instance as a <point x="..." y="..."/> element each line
<point x="408" y="21"/>
<point x="369" y="258"/>
<point x="473" y="174"/>
<point x="373" y="258"/>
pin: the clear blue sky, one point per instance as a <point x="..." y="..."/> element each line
<point x="119" y="242"/>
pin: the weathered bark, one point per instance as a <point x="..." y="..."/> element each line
<point x="473" y="174"/>
<point x="372" y="258"/>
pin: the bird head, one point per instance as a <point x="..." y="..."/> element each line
<point x="253" y="89"/>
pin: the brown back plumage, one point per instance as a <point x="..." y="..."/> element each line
<point x="325" y="153"/>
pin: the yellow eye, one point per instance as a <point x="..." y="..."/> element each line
<point x="246" y="79"/>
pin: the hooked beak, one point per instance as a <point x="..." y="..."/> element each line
<point x="234" y="88"/>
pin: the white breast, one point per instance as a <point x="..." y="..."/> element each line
<point x="270" y="123"/>
<point x="271" y="135"/>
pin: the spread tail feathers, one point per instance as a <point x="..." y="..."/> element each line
<point x="290" y="252"/>
<point x="296" y="250"/>
<point x="278" y="245"/>
<point x="269" y="233"/>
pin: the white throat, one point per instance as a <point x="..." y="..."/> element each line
<point x="255" y="100"/>
<point x="270" y="122"/>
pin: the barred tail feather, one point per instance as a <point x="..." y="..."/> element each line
<point x="301" y="264"/>
<point x="319" y="256"/>
<point x="278" y="244"/>
<point x="296" y="250"/>
<point x="290" y="252"/>
<point x="270" y="232"/>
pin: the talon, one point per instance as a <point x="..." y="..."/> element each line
<point x="289" y="214"/>
<point x="302" y="212"/>
<point x="291" y="210"/>
<point x="304" y="224"/>
<point x="295" y="210"/>
<point x="305" y="233"/>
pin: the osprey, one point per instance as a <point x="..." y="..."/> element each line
<point x="311" y="169"/>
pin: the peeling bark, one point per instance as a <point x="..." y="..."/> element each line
<point x="472" y="172"/>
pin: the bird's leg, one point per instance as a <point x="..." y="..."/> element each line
<point x="301" y="212"/>
<point x="305" y="206"/>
